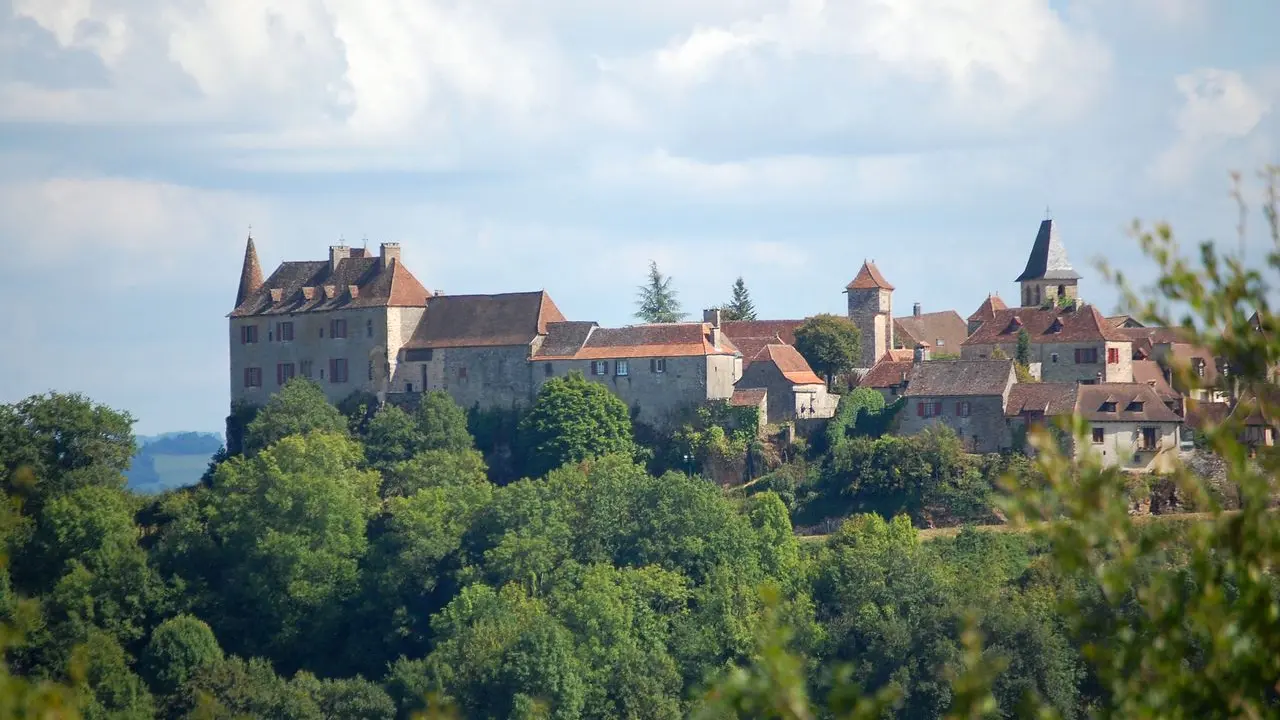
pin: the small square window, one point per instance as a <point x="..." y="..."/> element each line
<point x="600" y="367"/>
<point x="660" y="365"/>
<point x="549" y="369"/>
<point x="621" y="368"/>
<point x="1097" y="436"/>
<point x="1053" y="357"/>
<point x="408" y="387"/>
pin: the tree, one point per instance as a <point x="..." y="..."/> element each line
<point x="300" y="407"/>
<point x="179" y="648"/>
<point x="657" y="302"/>
<point x="571" y="420"/>
<point x="442" y="423"/>
<point x="829" y="343"/>
<point x="740" y="307"/>
<point x="391" y="437"/>
<point x="66" y="441"/>
<point x="1022" y="354"/>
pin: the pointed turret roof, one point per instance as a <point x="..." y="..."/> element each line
<point x="1048" y="260"/>
<point x="987" y="310"/>
<point x="869" y="278"/>
<point x="250" y="273"/>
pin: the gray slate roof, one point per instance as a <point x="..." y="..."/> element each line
<point x="1048" y="260"/>
<point x="959" y="378"/>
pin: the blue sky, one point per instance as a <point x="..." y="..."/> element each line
<point x="514" y="145"/>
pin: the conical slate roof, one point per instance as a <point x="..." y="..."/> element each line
<point x="250" y="274"/>
<point x="1048" y="260"/>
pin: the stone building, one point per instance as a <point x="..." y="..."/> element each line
<point x="793" y="389"/>
<point x="889" y="376"/>
<point x="477" y="348"/>
<point x="751" y="336"/>
<point x="942" y="331"/>
<point x="969" y="396"/>
<point x="339" y="322"/>
<point x="1170" y="348"/>
<point x="1048" y="277"/>
<point x="985" y="312"/>
<point x="1071" y="344"/>
<point x="871" y="309"/>
<point x="661" y="371"/>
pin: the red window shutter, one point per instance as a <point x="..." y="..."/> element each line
<point x="959" y="411"/>
<point x="920" y="409"/>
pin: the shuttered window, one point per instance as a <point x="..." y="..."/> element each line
<point x="284" y="373"/>
<point x="253" y="377"/>
<point x="337" y="370"/>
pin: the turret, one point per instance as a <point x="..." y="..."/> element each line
<point x="871" y="309"/>
<point x="250" y="273"/>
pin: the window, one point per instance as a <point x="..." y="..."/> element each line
<point x="284" y="331"/>
<point x="1097" y="436"/>
<point x="253" y="377"/>
<point x="462" y="373"/>
<point x="1113" y="355"/>
<point x="929" y="408"/>
<point x="599" y="367"/>
<point x="658" y="365"/>
<point x="549" y="369"/>
<point x="1107" y="407"/>
<point x="1197" y="364"/>
<point x="338" y="370"/>
<point x="248" y="334"/>
<point x="304" y="368"/>
<point x="1149" y="438"/>
<point x="1062" y="291"/>
<point x="962" y="408"/>
<point x="368" y="328"/>
<point x="621" y="369"/>
<point x="284" y="373"/>
<point x="370" y="369"/>
<point x="1056" y="327"/>
<point x="1053" y="357"/>
<point x="337" y="328"/>
<point x="408" y="387"/>
<point x="939" y="342"/>
<point x="1135" y="406"/>
<point x="1086" y="356"/>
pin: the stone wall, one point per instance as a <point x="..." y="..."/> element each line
<point x="366" y="343"/>
<point x="486" y="377"/>
<point x="658" y="399"/>
<point x="1036" y="292"/>
<point x="984" y="430"/>
<point x="766" y="375"/>
<point x="1057" y="360"/>
<point x="872" y="312"/>
<point x="401" y="324"/>
<point x="1119" y="446"/>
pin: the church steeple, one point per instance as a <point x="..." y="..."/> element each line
<point x="1048" y="274"/>
<point x="250" y="273"/>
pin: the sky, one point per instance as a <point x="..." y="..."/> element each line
<point x="563" y="144"/>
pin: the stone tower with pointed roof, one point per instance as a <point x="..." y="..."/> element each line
<point x="250" y="273"/>
<point x="871" y="309"/>
<point x="1048" y="275"/>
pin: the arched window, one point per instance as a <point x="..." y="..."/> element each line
<point x="1062" y="291"/>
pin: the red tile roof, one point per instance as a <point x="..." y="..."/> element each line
<point x="484" y="320"/>
<point x="869" y="278"/>
<point x="310" y="286"/>
<point x="1051" y="399"/>
<point x="790" y="363"/>
<point x="662" y="340"/>
<point x="987" y="310"/>
<point x="1090" y="399"/>
<point x="751" y="336"/>
<point x="886" y="373"/>
<point x="1149" y="373"/>
<point x="1053" y="325"/>
<point x="748" y="397"/>
<point x="943" y="331"/>
<point x="250" y="273"/>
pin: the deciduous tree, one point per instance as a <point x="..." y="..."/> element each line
<point x="829" y="343"/>
<point x="298" y="408"/>
<point x="571" y="420"/>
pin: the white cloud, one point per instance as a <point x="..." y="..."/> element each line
<point x="1218" y="107"/>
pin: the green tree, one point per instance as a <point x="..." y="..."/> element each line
<point x="442" y="423"/>
<point x="571" y="420"/>
<point x="290" y="526"/>
<point x="434" y="468"/>
<point x="298" y="408"/>
<point x="1022" y="353"/>
<point x="66" y="441"/>
<point x="829" y="343"/>
<point x="179" y="648"/>
<point x="391" y="437"/>
<point x="740" y="307"/>
<point x="108" y="688"/>
<point x="657" y="301"/>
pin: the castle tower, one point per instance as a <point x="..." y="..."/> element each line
<point x="250" y="273"/>
<point x="1048" y="274"/>
<point x="871" y="309"/>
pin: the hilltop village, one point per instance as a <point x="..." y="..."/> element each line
<point x="357" y="322"/>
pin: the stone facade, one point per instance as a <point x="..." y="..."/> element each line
<point x="483" y="377"/>
<point x="980" y="425"/>
<point x="1057" y="361"/>
<point x="1040" y="292"/>
<point x="1146" y="447"/>
<point x="789" y="400"/>
<point x="656" y="398"/>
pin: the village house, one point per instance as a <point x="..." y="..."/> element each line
<point x="751" y="336"/>
<point x="889" y="376"/>
<point x="1070" y="344"/>
<point x="942" y="331"/>
<point x="1170" y="348"/>
<point x="793" y="390"/>
<point x="969" y="396"/>
<point x="339" y="322"/>
<point x="985" y="312"/>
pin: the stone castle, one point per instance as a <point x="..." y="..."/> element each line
<point x="357" y="322"/>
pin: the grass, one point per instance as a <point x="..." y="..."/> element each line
<point x="928" y="534"/>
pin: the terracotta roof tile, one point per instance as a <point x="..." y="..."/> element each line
<point x="790" y="363"/>
<point x="1149" y="373"/>
<point x="748" y="397"/>
<point x="943" y="331"/>
<point x="250" y="273"/>
<point x="987" y="310"/>
<point x="751" y="336"/>
<point x="377" y="286"/>
<point x="886" y="373"/>
<point x="1083" y="324"/>
<point x="869" y="278"/>
<point x="484" y="320"/>
<point x="1051" y="399"/>
<point x="959" y="378"/>
<point x="648" y="341"/>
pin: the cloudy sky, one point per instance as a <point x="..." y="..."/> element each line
<point x="561" y="144"/>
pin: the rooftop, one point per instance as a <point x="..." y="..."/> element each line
<point x="959" y="378"/>
<point x="1048" y="259"/>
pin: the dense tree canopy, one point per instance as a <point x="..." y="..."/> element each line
<point x="573" y="419"/>
<point x="829" y="343"/>
<point x="299" y="407"/>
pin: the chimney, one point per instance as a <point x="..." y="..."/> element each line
<point x="337" y="253"/>
<point x="915" y="309"/>
<point x="712" y="318"/>
<point x="1099" y="377"/>
<point x="389" y="252"/>
<point x="921" y="354"/>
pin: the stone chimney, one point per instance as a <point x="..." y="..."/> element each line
<point x="389" y="252"/>
<point x="338" y="253"/>
<point x="712" y="318"/>
<point x="921" y="354"/>
<point x="915" y="309"/>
